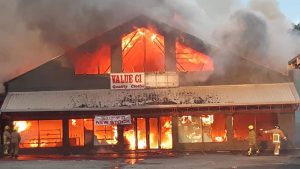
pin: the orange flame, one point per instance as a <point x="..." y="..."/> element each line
<point x="189" y="59"/>
<point x="143" y="51"/>
<point x="21" y="125"/>
<point x="130" y="137"/>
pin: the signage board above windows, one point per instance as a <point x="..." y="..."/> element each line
<point x="112" y="120"/>
<point x="127" y="80"/>
<point x="162" y="80"/>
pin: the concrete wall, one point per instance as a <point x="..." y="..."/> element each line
<point x="296" y="78"/>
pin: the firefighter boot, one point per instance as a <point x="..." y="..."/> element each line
<point x="249" y="151"/>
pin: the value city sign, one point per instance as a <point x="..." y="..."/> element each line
<point x="127" y="80"/>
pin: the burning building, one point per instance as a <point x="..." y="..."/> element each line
<point x="133" y="88"/>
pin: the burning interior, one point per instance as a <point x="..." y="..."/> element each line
<point x="83" y="132"/>
<point x="143" y="50"/>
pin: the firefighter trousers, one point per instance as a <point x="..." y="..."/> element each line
<point x="276" y="148"/>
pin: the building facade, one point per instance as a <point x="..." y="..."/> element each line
<point x="144" y="86"/>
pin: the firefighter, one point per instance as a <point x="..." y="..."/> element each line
<point x="277" y="135"/>
<point x="15" y="141"/>
<point x="6" y="140"/>
<point x="252" y="141"/>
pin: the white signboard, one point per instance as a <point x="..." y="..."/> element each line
<point x="112" y="120"/>
<point x="127" y="80"/>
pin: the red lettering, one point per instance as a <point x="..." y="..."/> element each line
<point x="113" y="78"/>
<point x="138" y="78"/>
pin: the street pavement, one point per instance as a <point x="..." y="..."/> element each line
<point x="223" y="160"/>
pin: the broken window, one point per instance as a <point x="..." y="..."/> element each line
<point x="166" y="132"/>
<point x="190" y="60"/>
<point x="40" y="133"/>
<point x="143" y="51"/>
<point x="95" y="62"/>
<point x="259" y="121"/>
<point x="204" y="128"/>
<point x="105" y="135"/>
<point x="76" y="132"/>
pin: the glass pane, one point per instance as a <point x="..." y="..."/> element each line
<point x="76" y="132"/>
<point x="265" y="122"/>
<point x="188" y="59"/>
<point x="143" y="51"/>
<point x="141" y="133"/>
<point x="153" y="133"/>
<point x="189" y="129"/>
<point x="207" y="121"/>
<point x="240" y="125"/>
<point x="105" y="135"/>
<point x="166" y="132"/>
<point x="29" y="133"/>
<point x="88" y="131"/>
<point x="50" y="133"/>
<point x="129" y="136"/>
<point x="94" y="62"/>
<point x="219" y="128"/>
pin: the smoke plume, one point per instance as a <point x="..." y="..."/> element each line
<point x="33" y="31"/>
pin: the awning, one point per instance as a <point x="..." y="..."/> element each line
<point x="199" y="96"/>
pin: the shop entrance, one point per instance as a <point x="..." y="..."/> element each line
<point x="149" y="133"/>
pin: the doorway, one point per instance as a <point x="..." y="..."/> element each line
<point x="148" y="133"/>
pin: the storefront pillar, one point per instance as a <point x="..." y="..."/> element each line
<point x="170" y="52"/>
<point x="229" y="127"/>
<point x="116" y="57"/>
<point x="66" y="145"/>
<point x="121" y="146"/>
<point x="175" y="132"/>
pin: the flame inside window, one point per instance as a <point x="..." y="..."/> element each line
<point x="204" y="128"/>
<point x="188" y="59"/>
<point x="165" y="135"/>
<point x="40" y="133"/>
<point x="95" y="62"/>
<point x="143" y="51"/>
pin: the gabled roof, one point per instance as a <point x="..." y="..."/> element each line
<point x="114" y="35"/>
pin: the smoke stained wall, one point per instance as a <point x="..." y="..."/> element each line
<point x="36" y="31"/>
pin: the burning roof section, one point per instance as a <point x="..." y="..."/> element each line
<point x="143" y="49"/>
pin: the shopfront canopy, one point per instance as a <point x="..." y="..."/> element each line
<point x="196" y="96"/>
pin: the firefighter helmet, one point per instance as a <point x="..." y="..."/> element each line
<point x="250" y="127"/>
<point x="6" y="128"/>
<point x="15" y="128"/>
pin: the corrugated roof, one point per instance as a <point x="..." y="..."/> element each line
<point x="197" y="96"/>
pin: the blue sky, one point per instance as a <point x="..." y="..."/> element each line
<point x="290" y="8"/>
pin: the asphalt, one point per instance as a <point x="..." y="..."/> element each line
<point x="187" y="160"/>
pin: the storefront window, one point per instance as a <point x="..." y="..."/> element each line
<point x="204" y="128"/>
<point x="153" y="133"/>
<point x="143" y="51"/>
<point x="141" y="133"/>
<point x="105" y="135"/>
<point x="76" y="132"/>
<point x="259" y="121"/>
<point x="190" y="60"/>
<point x="40" y="133"/>
<point x="166" y="132"/>
<point x="129" y="136"/>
